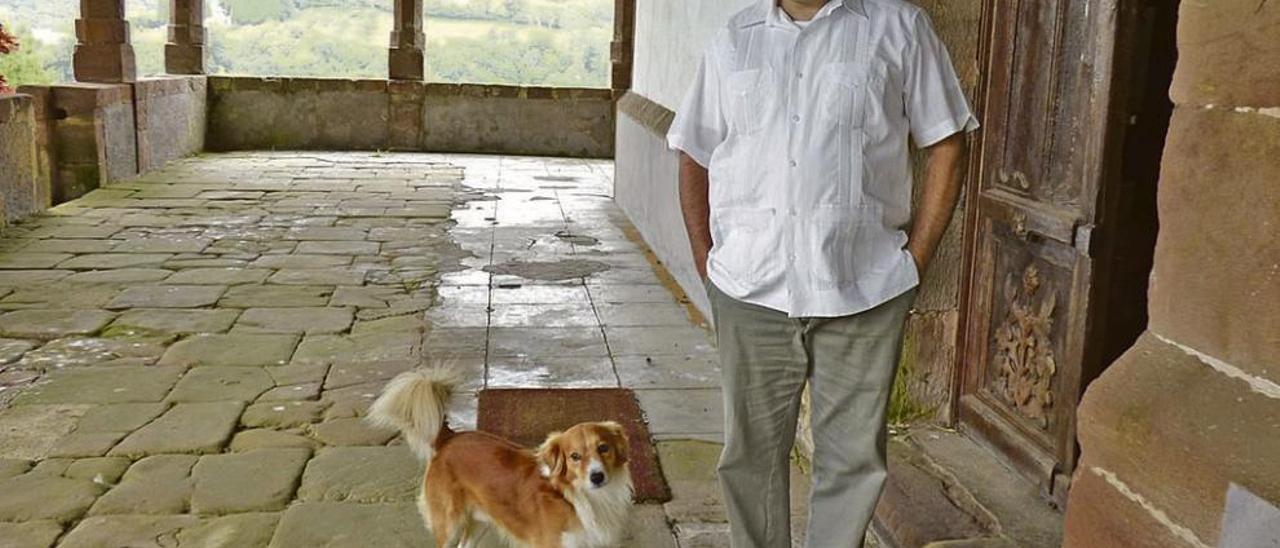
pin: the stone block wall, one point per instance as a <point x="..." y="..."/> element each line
<point x="313" y="113"/>
<point x="670" y="38"/>
<point x="23" y="186"/>
<point x="94" y="137"/>
<point x="1195" y="405"/>
<point x="517" y="120"/>
<point x="85" y="135"/>
<point x="171" y="119"/>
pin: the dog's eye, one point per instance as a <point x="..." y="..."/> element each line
<point x="576" y="457"/>
<point x="603" y="449"/>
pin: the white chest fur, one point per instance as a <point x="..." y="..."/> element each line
<point x="603" y="513"/>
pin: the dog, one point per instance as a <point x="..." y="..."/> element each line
<point x="573" y="491"/>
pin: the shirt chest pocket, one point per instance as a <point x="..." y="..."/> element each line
<point x="749" y="99"/>
<point x="845" y="90"/>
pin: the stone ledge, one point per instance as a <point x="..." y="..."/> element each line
<point x="83" y="98"/>
<point x="323" y="85"/>
<point x="12" y="106"/>
<point x="646" y="112"/>
<point x="1175" y="432"/>
<point x="154" y="88"/>
<point x="944" y="489"/>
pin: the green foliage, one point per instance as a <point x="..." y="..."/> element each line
<point x="253" y="12"/>
<point x="525" y="42"/>
<point x="21" y="65"/>
<point x="904" y="409"/>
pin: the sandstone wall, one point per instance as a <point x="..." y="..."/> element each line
<point x="23" y="189"/>
<point x="89" y="134"/>
<point x="171" y="119"/>
<point x="92" y="136"/>
<point x="1195" y="404"/>
<point x="312" y="113"/>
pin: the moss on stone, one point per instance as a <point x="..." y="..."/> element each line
<point x="903" y="407"/>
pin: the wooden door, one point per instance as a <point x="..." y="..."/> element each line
<point x="1054" y="112"/>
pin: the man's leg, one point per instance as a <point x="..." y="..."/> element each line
<point x="854" y="361"/>
<point x="764" y="365"/>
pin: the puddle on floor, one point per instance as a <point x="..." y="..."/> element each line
<point x="548" y="271"/>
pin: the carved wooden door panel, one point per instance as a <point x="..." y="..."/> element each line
<point x="1041" y="163"/>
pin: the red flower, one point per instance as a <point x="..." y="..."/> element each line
<point x="8" y="44"/>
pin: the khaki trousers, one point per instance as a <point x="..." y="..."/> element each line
<point x="766" y="358"/>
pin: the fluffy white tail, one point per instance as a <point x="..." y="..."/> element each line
<point x="415" y="404"/>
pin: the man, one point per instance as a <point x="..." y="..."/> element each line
<point x="796" y="189"/>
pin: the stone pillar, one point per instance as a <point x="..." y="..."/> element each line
<point x="103" y="52"/>
<point x="407" y="41"/>
<point x="622" y="49"/>
<point x="184" y="53"/>
<point x="1194" y="406"/>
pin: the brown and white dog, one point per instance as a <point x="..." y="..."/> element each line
<point x="572" y="492"/>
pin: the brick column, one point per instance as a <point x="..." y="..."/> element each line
<point x="103" y="52"/>
<point x="184" y="53"/>
<point x="622" y="48"/>
<point x="407" y="40"/>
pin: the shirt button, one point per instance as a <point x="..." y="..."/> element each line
<point x="793" y="163"/>
<point x="796" y="118"/>
<point x="799" y="75"/>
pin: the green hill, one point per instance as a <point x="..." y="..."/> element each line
<point x="528" y="42"/>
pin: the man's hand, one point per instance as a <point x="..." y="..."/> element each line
<point x="696" y="207"/>
<point x="938" y="199"/>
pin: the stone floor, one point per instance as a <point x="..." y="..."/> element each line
<point x="186" y="355"/>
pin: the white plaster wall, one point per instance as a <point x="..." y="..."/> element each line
<point x="670" y="38"/>
<point x="645" y="188"/>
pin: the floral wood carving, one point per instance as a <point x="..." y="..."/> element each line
<point x="1024" y="359"/>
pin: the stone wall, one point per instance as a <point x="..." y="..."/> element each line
<point x="670" y="36"/>
<point x="93" y="137"/>
<point x="86" y="135"/>
<point x="311" y="113"/>
<point x="23" y="188"/>
<point x="1193" y="406"/>
<point x="171" y="115"/>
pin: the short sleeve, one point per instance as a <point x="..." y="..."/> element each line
<point x="936" y="105"/>
<point x="699" y="126"/>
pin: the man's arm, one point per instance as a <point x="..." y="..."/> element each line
<point x="937" y="200"/>
<point x="696" y="207"/>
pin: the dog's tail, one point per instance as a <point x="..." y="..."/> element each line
<point x="415" y="404"/>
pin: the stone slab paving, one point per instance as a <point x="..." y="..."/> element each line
<point x="185" y="357"/>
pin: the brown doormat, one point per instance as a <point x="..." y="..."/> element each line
<point x="526" y="416"/>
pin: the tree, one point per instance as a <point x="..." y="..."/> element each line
<point x="8" y="43"/>
<point x="21" y="66"/>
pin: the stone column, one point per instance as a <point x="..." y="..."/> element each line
<point x="103" y="52"/>
<point x="407" y="41"/>
<point x="1194" y="406"/>
<point x="184" y="53"/>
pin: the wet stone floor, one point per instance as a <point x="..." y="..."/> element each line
<point x="185" y="357"/>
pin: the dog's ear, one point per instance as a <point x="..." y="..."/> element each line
<point x="551" y="456"/>
<point x="622" y="444"/>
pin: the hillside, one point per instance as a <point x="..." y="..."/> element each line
<point x="531" y="42"/>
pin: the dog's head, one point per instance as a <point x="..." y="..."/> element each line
<point x="588" y="456"/>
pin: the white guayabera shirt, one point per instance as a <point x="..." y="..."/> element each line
<point x="804" y="133"/>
